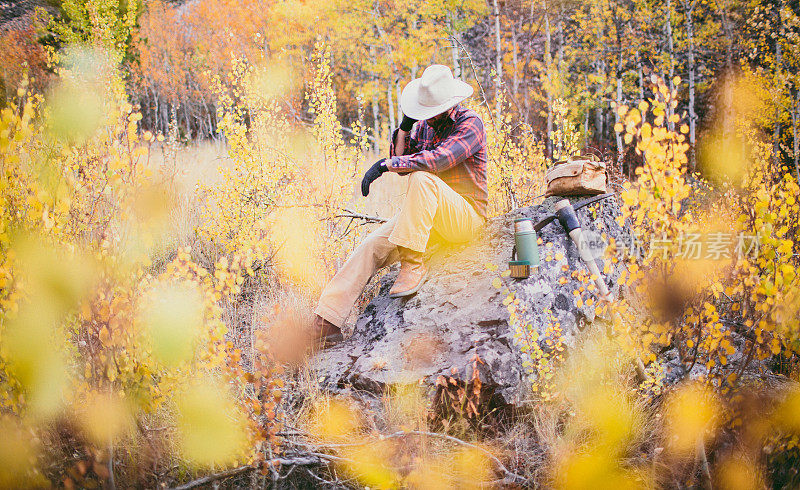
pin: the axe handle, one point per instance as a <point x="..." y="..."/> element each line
<point x="588" y="259"/>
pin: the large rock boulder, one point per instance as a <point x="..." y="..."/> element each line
<point x="459" y="312"/>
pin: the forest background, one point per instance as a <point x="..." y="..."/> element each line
<point x="178" y="184"/>
<point x="584" y="54"/>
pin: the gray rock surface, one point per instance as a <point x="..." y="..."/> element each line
<point x="459" y="313"/>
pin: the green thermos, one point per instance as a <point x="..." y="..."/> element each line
<point x="526" y="248"/>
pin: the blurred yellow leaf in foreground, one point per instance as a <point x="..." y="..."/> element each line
<point x="692" y="412"/>
<point x="211" y="428"/>
<point x="104" y="418"/>
<point x="334" y="420"/>
<point x="171" y="318"/>
<point x="17" y="456"/>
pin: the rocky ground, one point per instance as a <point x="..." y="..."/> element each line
<point x="460" y="313"/>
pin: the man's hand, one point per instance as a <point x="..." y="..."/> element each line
<point x="372" y="174"/>
<point x="407" y="123"/>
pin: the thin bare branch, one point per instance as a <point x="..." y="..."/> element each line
<point x="369" y="219"/>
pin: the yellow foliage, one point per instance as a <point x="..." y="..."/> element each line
<point x="171" y="316"/>
<point x="287" y="184"/>
<point x="211" y="429"/>
<point x="104" y="418"/>
<point x="702" y="271"/>
<point x="334" y="420"/>
<point x="692" y="416"/>
<point x="738" y="472"/>
<point x="87" y="325"/>
<point x="18" y="451"/>
<point x="516" y="166"/>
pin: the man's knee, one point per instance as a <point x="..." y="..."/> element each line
<point x="421" y="177"/>
<point x="376" y="244"/>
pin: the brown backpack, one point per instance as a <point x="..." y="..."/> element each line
<point x="577" y="177"/>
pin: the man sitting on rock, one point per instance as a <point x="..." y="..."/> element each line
<point x="445" y="155"/>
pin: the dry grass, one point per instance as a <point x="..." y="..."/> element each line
<point x="183" y="168"/>
<point x="265" y="302"/>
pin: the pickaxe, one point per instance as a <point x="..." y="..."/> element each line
<point x="565" y="214"/>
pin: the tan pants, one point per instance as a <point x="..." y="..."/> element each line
<point x="429" y="205"/>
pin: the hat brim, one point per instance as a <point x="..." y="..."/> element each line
<point x="409" y="102"/>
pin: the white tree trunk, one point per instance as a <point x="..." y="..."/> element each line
<point x="547" y="62"/>
<point x="376" y="125"/>
<point x="515" y="61"/>
<point x="454" y="52"/>
<point x="618" y="135"/>
<point x="671" y="49"/>
<point x="776" y="147"/>
<point x="399" y="109"/>
<point x="795" y="141"/>
<point x="640" y="69"/>
<point x="390" y="103"/>
<point x="498" y="57"/>
<point x="688" y="9"/>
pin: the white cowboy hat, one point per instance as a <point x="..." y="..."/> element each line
<point x="432" y="94"/>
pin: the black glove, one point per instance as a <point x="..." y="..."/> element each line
<point x="407" y="123"/>
<point x="372" y="174"/>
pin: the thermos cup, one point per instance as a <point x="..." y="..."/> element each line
<point x="526" y="247"/>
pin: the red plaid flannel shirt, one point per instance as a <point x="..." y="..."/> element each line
<point x="456" y="154"/>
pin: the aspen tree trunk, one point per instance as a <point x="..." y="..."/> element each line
<point x="145" y="107"/>
<point x="586" y="117"/>
<point x="186" y="121"/>
<point x="376" y="124"/>
<point x="165" y="110"/>
<point x="527" y="105"/>
<point x="390" y="106"/>
<point x="618" y="98"/>
<point x="776" y="147"/>
<point x="640" y="68"/>
<point x="399" y="109"/>
<point x="688" y="9"/>
<point x="671" y="49"/>
<point x="728" y="30"/>
<point x="586" y="128"/>
<point x="560" y="60"/>
<point x="213" y="119"/>
<point x="727" y="102"/>
<point x="641" y="97"/>
<point x="498" y="57"/>
<point x="202" y="120"/>
<point x="515" y="82"/>
<point x="795" y="141"/>
<point x="547" y="62"/>
<point x="532" y="21"/>
<point x="155" y="112"/>
<point x="598" y="118"/>
<point x="454" y="51"/>
<point x="414" y="67"/>
<point x="727" y="108"/>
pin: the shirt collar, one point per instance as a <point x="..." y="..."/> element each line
<point x="447" y="125"/>
<point x="453" y="114"/>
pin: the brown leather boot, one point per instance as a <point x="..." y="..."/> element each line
<point x="325" y="333"/>
<point x="412" y="274"/>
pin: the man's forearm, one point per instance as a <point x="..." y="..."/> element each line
<point x="402" y="132"/>
<point x="400" y="143"/>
